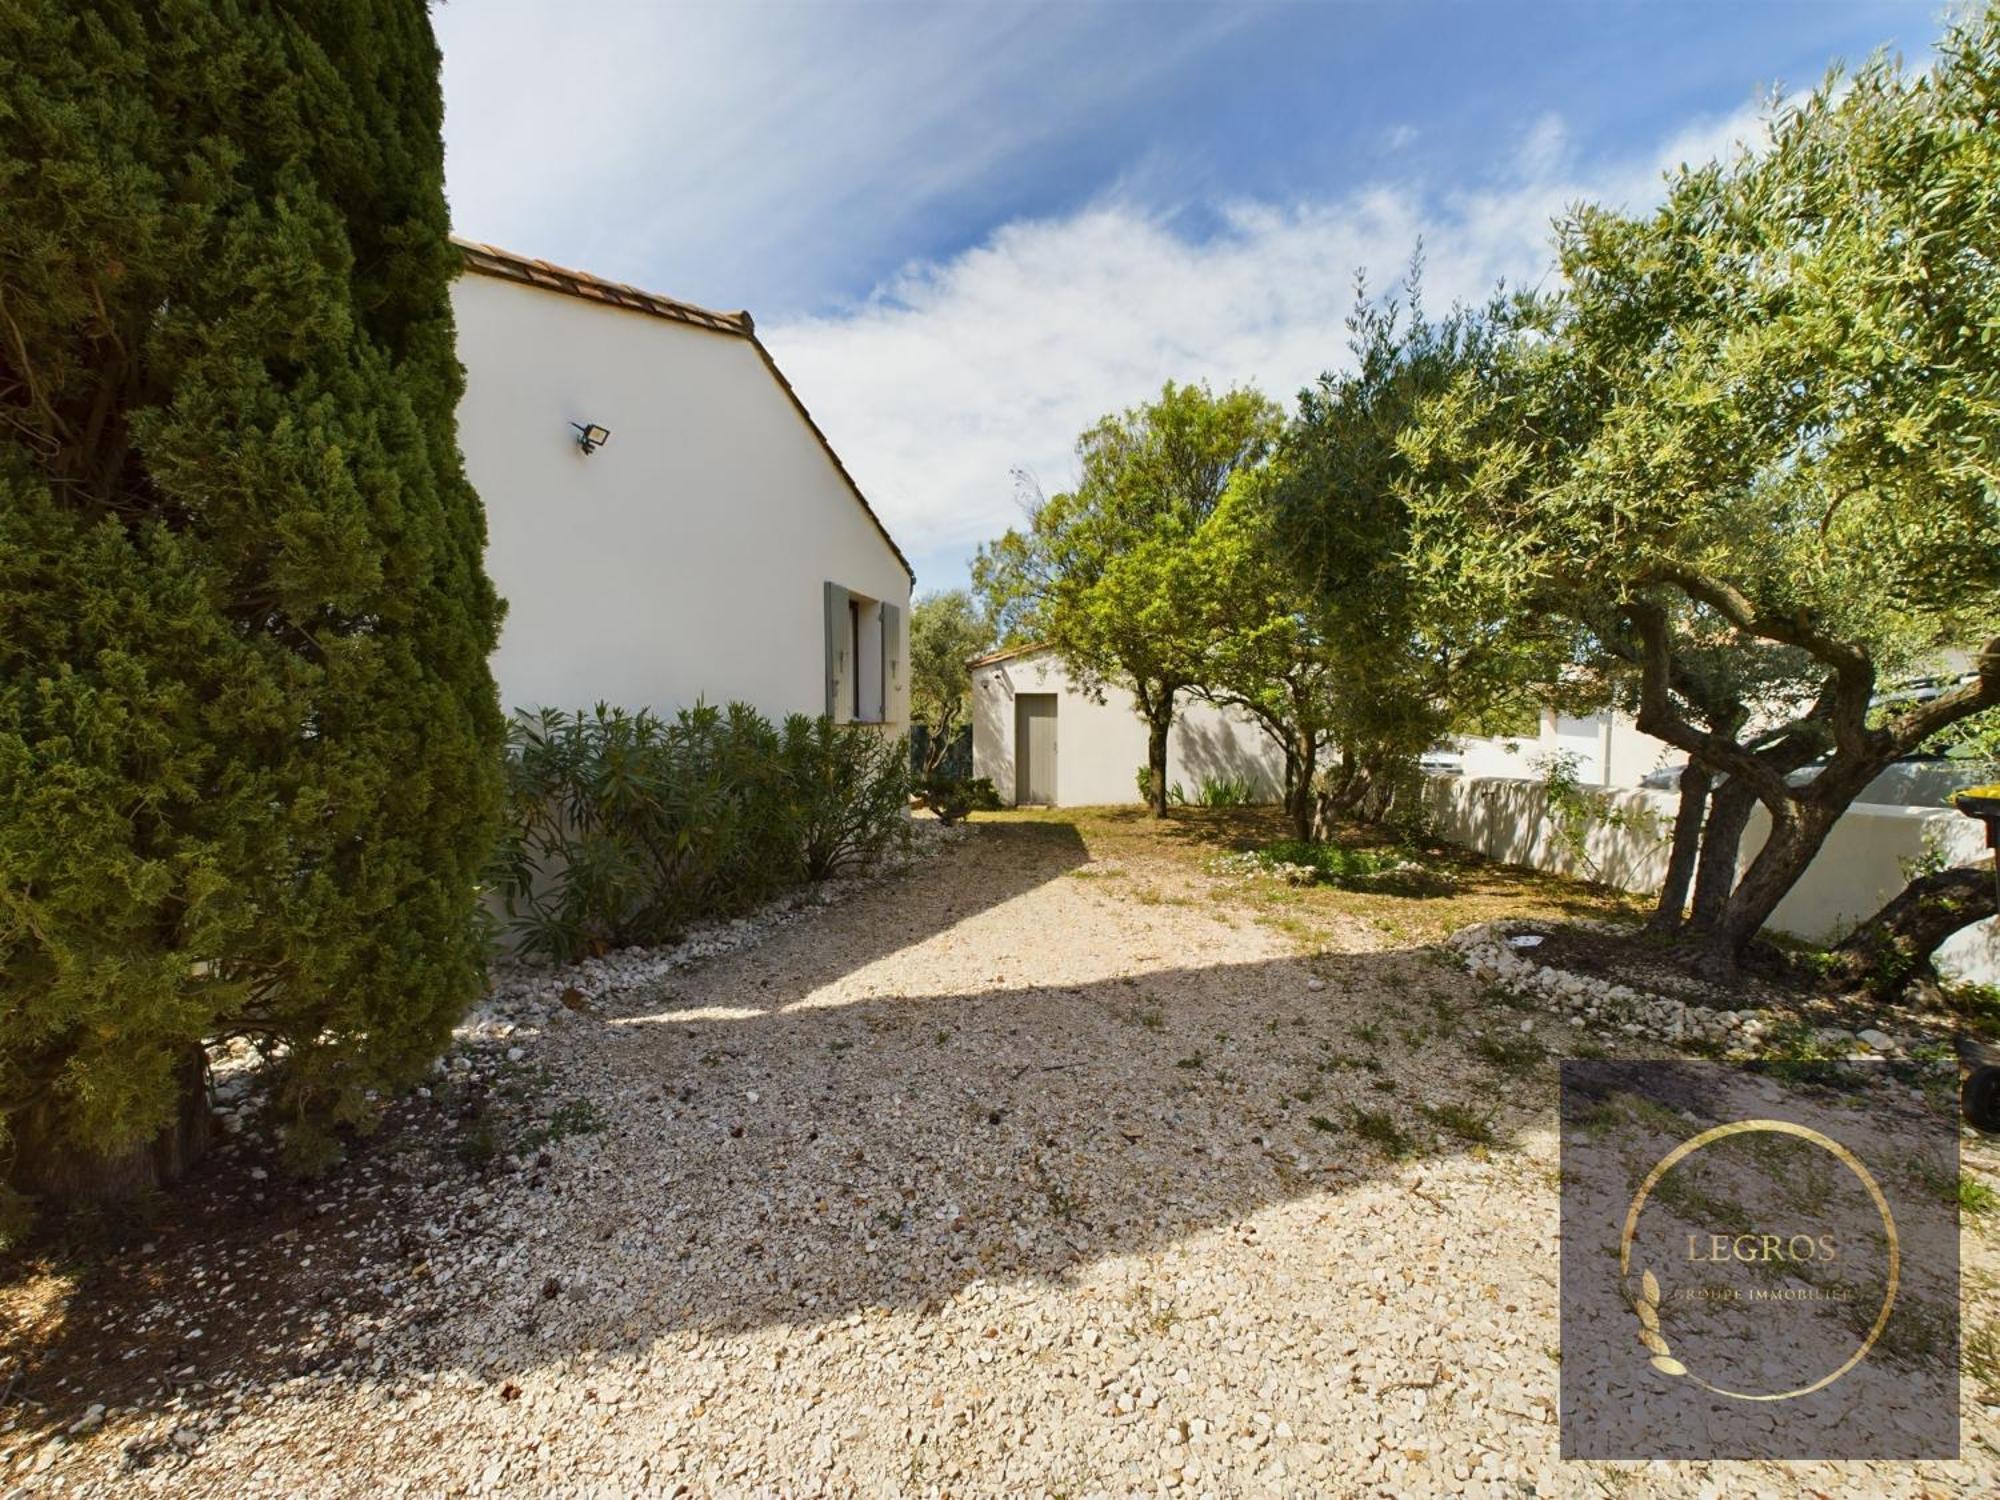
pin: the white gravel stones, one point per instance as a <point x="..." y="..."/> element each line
<point x="1490" y="953"/>
<point x="986" y="1182"/>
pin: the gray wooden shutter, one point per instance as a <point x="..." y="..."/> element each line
<point x="892" y="656"/>
<point x="836" y="647"/>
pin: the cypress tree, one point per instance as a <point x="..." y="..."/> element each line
<point x="249" y="743"/>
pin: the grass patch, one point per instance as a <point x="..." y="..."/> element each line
<point x="572" y="1117"/>
<point x="1344" y="866"/>
<point x="1510" y="1054"/>
<point x="1978" y="1006"/>
<point x="1982" y="1361"/>
<point x="1465" y="1123"/>
<point x="1379" y="1129"/>
<point x="1969" y="1193"/>
<point x="1793" y="1054"/>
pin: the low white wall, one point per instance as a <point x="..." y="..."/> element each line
<point x="1859" y="867"/>
<point x="1616" y="754"/>
<point x="1100" y="746"/>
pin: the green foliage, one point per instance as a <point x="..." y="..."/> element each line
<point x="578" y="1116"/>
<point x="624" y="827"/>
<point x="1461" y="1120"/>
<point x="953" y="798"/>
<point x="946" y="631"/>
<point x="1225" y="791"/>
<point x="1977" y="1005"/>
<point x="1399" y="672"/>
<point x="248" y="739"/>
<point x="1762" y="422"/>
<point x="1510" y="1053"/>
<point x="1574" y="809"/>
<point x="1269" y="658"/>
<point x="1142" y="778"/>
<point x="848" y="790"/>
<point x="1308" y="862"/>
<point x="1112" y="575"/>
<point x="1379" y="1129"/>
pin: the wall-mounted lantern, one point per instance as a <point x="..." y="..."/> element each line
<point x="590" y="437"/>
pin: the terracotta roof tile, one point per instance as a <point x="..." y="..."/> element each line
<point x="491" y="260"/>
<point x="1006" y="653"/>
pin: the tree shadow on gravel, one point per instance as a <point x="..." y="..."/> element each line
<point x="786" y="1136"/>
<point x="238" y="1275"/>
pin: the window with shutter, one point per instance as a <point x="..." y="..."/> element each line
<point x="839" y="621"/>
<point x="892" y="658"/>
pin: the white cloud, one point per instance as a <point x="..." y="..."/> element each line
<point x="946" y="380"/>
<point x="678" y="145"/>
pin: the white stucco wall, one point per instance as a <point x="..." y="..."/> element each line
<point x="1100" y="746"/>
<point x="1860" y="866"/>
<point x="685" y="559"/>
<point x="1609" y="747"/>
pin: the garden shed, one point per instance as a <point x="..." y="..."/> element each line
<point x="1043" y="738"/>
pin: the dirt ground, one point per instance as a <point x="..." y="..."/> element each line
<point x="1061" y="1164"/>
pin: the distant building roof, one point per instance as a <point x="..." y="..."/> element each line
<point x="490" y="260"/>
<point x="1006" y="653"/>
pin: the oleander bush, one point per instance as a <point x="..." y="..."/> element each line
<point x="849" y="791"/>
<point x="624" y="828"/>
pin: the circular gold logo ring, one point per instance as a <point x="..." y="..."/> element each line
<point x="1650" y="1325"/>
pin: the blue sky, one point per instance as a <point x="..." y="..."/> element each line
<point x="968" y="229"/>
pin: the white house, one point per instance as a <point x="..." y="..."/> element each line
<point x="710" y="544"/>
<point x="1043" y="739"/>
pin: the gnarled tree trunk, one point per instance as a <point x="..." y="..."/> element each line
<point x="1797" y="832"/>
<point x="1688" y="819"/>
<point x="1730" y="806"/>
<point x="1897" y="946"/>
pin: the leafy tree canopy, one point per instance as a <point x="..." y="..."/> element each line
<point x="946" y="631"/>
<point x="1109" y="574"/>
<point x="1768" y="415"/>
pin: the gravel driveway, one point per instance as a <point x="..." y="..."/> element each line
<point x="1034" y="1171"/>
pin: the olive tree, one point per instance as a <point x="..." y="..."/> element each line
<point x="1767" y="417"/>
<point x="946" y="631"/>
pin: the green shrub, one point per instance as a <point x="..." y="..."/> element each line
<point x="248" y="738"/>
<point x="1176" y="793"/>
<point x="849" y="790"/>
<point x="623" y="828"/>
<point x="1226" y="791"/>
<point x="1331" y="865"/>
<point x="952" y="798"/>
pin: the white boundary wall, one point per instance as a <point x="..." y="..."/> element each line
<point x="1859" y="867"/>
